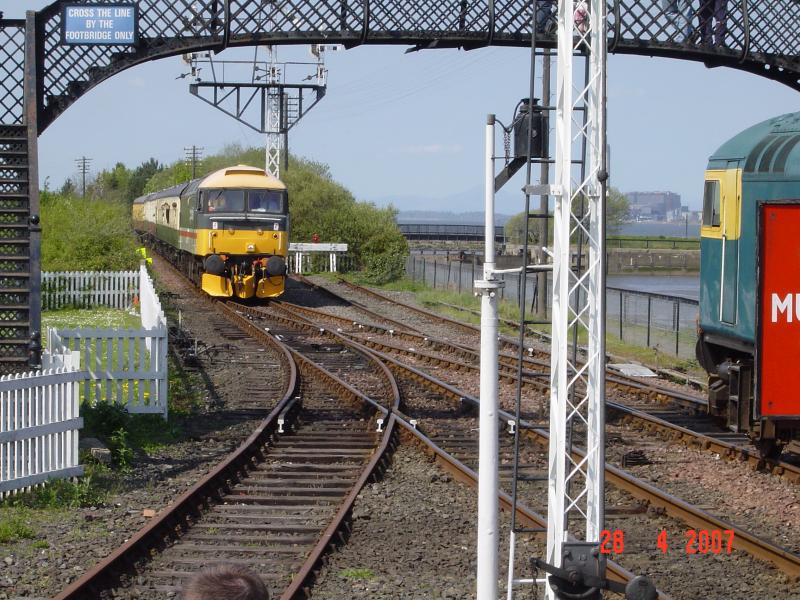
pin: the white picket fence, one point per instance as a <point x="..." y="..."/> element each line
<point x="123" y="366"/>
<point x="86" y="289"/>
<point x="39" y="419"/>
<point x="39" y="426"/>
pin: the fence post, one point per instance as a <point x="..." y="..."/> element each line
<point x="677" y="326"/>
<point x="447" y="287"/>
<point x="649" y="304"/>
<point x="473" y="269"/>
<point x="435" y="268"/>
<point x="460" y="273"/>
<point x="620" y="315"/>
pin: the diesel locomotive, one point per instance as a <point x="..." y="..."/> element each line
<point x="228" y="231"/>
<point x="749" y="321"/>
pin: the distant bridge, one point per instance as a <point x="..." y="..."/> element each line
<point x="456" y="233"/>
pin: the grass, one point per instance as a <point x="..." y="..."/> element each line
<point x="357" y="573"/>
<point x="94" y="318"/>
<point x="14" y="526"/>
<point x="58" y="494"/>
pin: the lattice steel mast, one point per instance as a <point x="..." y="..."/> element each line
<point x="266" y="103"/>
<point x="275" y="109"/>
<point x="577" y="399"/>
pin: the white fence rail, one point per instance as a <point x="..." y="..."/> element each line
<point x="39" y="419"/>
<point x="86" y="289"/>
<point x="123" y="366"/>
<point x="39" y="426"/>
<point x="306" y="257"/>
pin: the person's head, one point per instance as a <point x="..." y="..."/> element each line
<point x="224" y="581"/>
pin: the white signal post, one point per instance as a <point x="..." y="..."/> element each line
<point x="488" y="478"/>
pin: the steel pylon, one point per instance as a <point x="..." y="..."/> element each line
<point x="577" y="397"/>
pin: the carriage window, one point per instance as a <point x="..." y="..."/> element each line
<point x="264" y="201"/>
<point x="711" y="204"/>
<point x="224" y="200"/>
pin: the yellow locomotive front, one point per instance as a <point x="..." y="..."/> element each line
<point x="241" y="233"/>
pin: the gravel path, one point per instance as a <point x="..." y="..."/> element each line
<point x="414" y="536"/>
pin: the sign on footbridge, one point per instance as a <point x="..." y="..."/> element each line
<point x="45" y="67"/>
<point x="106" y="24"/>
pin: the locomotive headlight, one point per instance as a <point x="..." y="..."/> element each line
<point x="251" y="247"/>
<point x="260" y="231"/>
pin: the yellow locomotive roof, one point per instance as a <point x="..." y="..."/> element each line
<point x="242" y="176"/>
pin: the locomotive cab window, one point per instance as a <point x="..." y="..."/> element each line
<point x="264" y="201"/>
<point x="224" y="200"/>
<point x="711" y="204"/>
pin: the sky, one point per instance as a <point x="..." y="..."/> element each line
<point x="408" y="129"/>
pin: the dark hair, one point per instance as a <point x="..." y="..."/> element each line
<point x="231" y="582"/>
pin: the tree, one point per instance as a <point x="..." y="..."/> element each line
<point x="140" y="176"/>
<point x="617" y="210"/>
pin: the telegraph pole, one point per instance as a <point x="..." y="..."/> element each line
<point x="83" y="168"/>
<point x="193" y="155"/>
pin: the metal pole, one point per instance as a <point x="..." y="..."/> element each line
<point x="677" y="326"/>
<point x="34" y="57"/>
<point x="488" y="479"/>
<point x="649" y="306"/>
<point x="544" y="199"/>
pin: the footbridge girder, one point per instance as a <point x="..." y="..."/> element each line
<point x="754" y="36"/>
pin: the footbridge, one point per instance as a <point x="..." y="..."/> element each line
<point x="41" y="75"/>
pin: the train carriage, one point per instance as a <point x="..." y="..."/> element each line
<point x="749" y="322"/>
<point x="228" y="231"/>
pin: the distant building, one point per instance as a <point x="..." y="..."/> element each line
<point x="654" y="206"/>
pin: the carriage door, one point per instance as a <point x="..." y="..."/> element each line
<point x="729" y="269"/>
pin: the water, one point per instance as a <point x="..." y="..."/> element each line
<point x="685" y="286"/>
<point x="651" y="229"/>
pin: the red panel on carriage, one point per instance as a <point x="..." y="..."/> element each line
<point x="779" y="347"/>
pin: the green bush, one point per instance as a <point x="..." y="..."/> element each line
<point x="86" y="235"/>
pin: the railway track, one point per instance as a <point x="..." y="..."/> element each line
<point x="246" y="496"/>
<point x="281" y="499"/>
<point x="450" y="425"/>
<point x="463" y="471"/>
<point x="669" y="413"/>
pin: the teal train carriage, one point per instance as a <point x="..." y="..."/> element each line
<point x="749" y="322"/>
